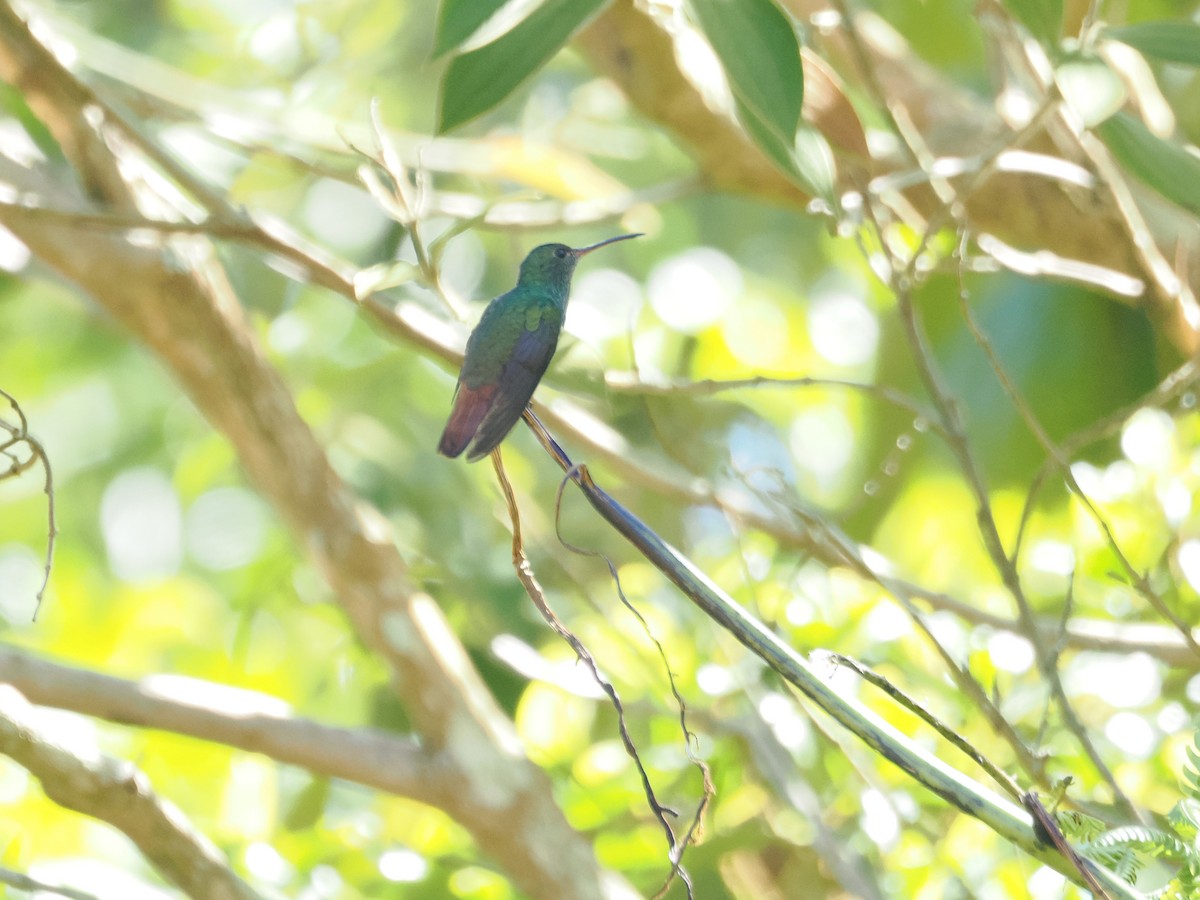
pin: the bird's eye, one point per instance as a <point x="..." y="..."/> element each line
<point x="560" y="253"/>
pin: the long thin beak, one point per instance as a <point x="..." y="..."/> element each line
<point x="583" y="251"/>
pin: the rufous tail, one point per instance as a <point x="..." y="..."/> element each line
<point x="470" y="406"/>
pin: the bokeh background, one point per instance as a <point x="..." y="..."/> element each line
<point x="170" y="567"/>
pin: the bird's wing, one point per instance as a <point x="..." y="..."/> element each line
<point x="531" y="355"/>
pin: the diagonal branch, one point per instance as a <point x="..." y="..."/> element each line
<point x="117" y="792"/>
<point x="1008" y="820"/>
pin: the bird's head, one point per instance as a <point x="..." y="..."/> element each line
<point x="554" y="264"/>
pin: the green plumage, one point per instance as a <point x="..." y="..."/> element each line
<point x="509" y="350"/>
<point x="537" y="303"/>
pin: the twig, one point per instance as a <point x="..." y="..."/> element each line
<point x="1049" y="828"/>
<point x="20" y="434"/>
<point x="900" y="279"/>
<point x="529" y="581"/>
<point x="1048" y="658"/>
<point x="1032" y="764"/>
<point x="690" y="742"/>
<point x="405" y="203"/>
<point x="1002" y="778"/>
<point x="989" y="531"/>
<point x="23" y="882"/>
<point x="623" y="383"/>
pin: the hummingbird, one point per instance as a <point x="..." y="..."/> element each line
<point x="509" y="350"/>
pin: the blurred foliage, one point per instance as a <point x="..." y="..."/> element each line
<point x="168" y="563"/>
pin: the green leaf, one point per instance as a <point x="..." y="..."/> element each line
<point x="1079" y="826"/>
<point x="806" y="159"/>
<point x="1043" y="18"/>
<point x="1171" y="41"/>
<point x="308" y="806"/>
<point x="1191" y="783"/>
<point x="814" y="160"/>
<point x="1184" y="818"/>
<point x="758" y="50"/>
<point x="1164" y="166"/>
<point x="774" y="145"/>
<point x="1193" y="756"/>
<point x="459" y="19"/>
<point x="478" y="80"/>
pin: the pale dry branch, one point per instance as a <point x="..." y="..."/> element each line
<point x="246" y="720"/>
<point x="117" y="792"/>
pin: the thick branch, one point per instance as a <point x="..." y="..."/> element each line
<point x="117" y="792"/>
<point x="242" y="719"/>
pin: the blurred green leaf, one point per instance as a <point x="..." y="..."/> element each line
<point x="1171" y="41"/>
<point x="771" y="143"/>
<point x="459" y="19"/>
<point x="1043" y="18"/>
<point x="815" y="160"/>
<point x="308" y="806"/>
<point x="1184" y="818"/>
<point x="479" y="80"/>
<point x="1164" y="166"/>
<point x="758" y="50"/>
<point x="808" y="159"/>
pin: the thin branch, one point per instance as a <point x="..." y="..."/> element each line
<point x="1005" y="565"/>
<point x="115" y="791"/>
<point x="405" y="202"/>
<point x="900" y="279"/>
<point x="1032" y="764"/>
<point x="1049" y="664"/>
<point x="22" y="882"/>
<point x="533" y="588"/>
<point x="629" y="383"/>
<point x="998" y="775"/>
<point x="690" y="742"/>
<point x="1047" y="825"/>
<point x="20" y="435"/>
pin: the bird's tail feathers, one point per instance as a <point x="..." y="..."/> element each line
<point x="470" y="406"/>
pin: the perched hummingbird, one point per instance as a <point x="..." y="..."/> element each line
<point x="509" y="350"/>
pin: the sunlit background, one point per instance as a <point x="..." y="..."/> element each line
<point x="169" y="566"/>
